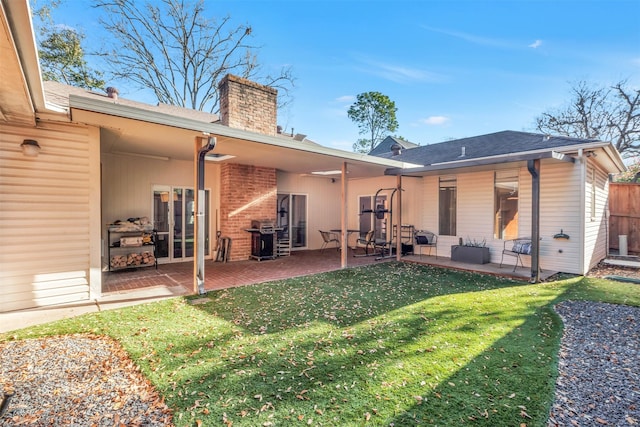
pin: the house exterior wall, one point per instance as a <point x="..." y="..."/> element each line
<point x="475" y="209"/>
<point x="49" y="216"/>
<point x="411" y="198"/>
<point x="128" y="181"/>
<point x="560" y="208"/>
<point x="323" y="202"/>
<point x="596" y="226"/>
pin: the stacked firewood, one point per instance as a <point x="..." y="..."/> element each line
<point x="118" y="261"/>
<point x="132" y="260"/>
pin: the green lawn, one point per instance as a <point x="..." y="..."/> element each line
<point x="389" y="344"/>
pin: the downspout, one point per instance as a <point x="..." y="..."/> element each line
<point x="534" y="169"/>
<point x="202" y="152"/>
<point x="399" y="220"/>
<point x="343" y="217"/>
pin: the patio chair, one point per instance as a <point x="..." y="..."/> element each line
<point x="328" y="238"/>
<point x="516" y="248"/>
<point x="426" y="239"/>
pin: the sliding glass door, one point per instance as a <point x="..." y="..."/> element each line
<point x="292" y="218"/>
<point x="174" y="219"/>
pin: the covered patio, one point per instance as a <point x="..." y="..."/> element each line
<point x="221" y="275"/>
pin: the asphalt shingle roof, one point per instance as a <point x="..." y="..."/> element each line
<point x="493" y="144"/>
<point x="386" y="144"/>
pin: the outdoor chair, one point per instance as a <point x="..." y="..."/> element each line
<point x="426" y="239"/>
<point x="328" y="238"/>
<point x="516" y="248"/>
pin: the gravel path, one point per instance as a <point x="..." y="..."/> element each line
<point x="90" y="381"/>
<point x="599" y="367"/>
<point x="76" y="381"/>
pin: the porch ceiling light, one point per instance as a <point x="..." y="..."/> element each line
<point x="332" y="172"/>
<point x="215" y="157"/>
<point x="30" y="147"/>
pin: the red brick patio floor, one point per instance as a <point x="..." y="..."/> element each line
<point x="220" y="275"/>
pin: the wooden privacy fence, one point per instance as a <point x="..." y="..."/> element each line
<point x="624" y="219"/>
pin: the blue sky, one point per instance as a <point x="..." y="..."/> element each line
<point x="453" y="68"/>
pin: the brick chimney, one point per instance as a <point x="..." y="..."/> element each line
<point x="247" y="192"/>
<point x="248" y="105"/>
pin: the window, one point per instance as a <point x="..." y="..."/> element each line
<point x="447" y="205"/>
<point x="592" y="182"/>
<point x="506" y="205"/>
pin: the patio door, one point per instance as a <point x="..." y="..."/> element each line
<point x="292" y="218"/>
<point x="368" y="220"/>
<point x="174" y="220"/>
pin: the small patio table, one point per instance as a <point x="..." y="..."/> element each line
<point x="349" y="231"/>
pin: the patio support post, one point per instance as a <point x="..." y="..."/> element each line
<point x="399" y="216"/>
<point x="534" y="169"/>
<point x="198" y="282"/>
<point x="343" y="218"/>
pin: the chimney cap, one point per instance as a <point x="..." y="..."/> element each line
<point x="112" y="92"/>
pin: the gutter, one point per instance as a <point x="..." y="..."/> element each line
<point x="134" y="113"/>
<point x="18" y="16"/>
<point x="481" y="161"/>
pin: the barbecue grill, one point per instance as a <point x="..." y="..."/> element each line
<point x="263" y="239"/>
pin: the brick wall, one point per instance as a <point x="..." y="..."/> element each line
<point x="246" y="193"/>
<point x="248" y="105"/>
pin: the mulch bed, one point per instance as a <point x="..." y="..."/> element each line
<point x="603" y="270"/>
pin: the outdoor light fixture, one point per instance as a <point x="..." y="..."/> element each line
<point x="30" y="147"/>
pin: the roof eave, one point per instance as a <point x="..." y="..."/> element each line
<point x="459" y="164"/>
<point x="129" y="112"/>
<point x="19" y="17"/>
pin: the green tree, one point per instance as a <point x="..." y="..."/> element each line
<point x="171" y="48"/>
<point x="62" y="60"/>
<point x="62" y="57"/>
<point x="632" y="174"/>
<point x="606" y="113"/>
<point x="375" y="115"/>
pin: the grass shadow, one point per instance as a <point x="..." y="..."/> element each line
<point x="343" y="297"/>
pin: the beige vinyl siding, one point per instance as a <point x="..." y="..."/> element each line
<point x="561" y="209"/>
<point x="475" y="210"/>
<point x="127" y="184"/>
<point x="596" y="239"/>
<point x="428" y="215"/>
<point x="46" y="218"/>
<point x="323" y="202"/>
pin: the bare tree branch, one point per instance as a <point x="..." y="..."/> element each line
<point x="173" y="49"/>
<point x="609" y="114"/>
